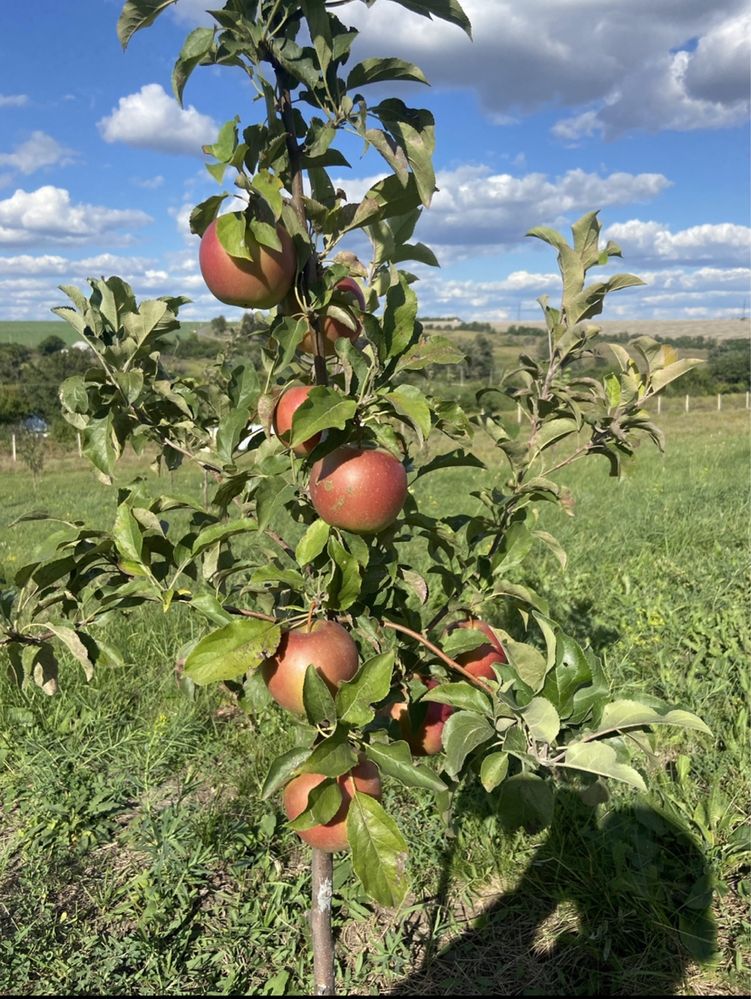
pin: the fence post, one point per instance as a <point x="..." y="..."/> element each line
<point x="13" y="446"/>
<point x="659" y="404"/>
<point x="748" y="400"/>
<point x="80" y="449"/>
<point x="686" y="405"/>
<point x="719" y="402"/>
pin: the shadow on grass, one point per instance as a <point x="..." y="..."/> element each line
<point x="613" y="907"/>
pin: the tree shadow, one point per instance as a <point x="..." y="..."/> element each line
<point x="613" y="907"/>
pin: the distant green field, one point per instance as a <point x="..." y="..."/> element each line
<point x="31" y="334"/>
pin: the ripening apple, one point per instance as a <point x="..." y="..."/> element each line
<point x="350" y="294"/>
<point x="479" y="661"/>
<point x="330" y="836"/>
<point x="327" y="646"/>
<point x="358" y="489"/>
<point x="259" y="283"/>
<point x="288" y="404"/>
<point x="425" y="740"/>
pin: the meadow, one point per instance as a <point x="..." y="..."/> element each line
<point x="136" y="855"/>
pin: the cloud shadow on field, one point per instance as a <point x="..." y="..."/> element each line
<point x="611" y="906"/>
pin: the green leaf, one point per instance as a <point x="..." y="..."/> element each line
<point x="552" y="431"/>
<point x="324" y="408"/>
<point x="127" y="535"/>
<point x="282" y="768"/>
<point x="379" y="70"/>
<point x="378" y="851"/>
<point x="370" y="684"/>
<point x="624" y="714"/>
<point x="99" y="444"/>
<point x="460" y="695"/>
<point x="493" y="770"/>
<point x="317" y="699"/>
<point x="232" y="650"/>
<point x="196" y="47"/>
<point x="324" y="801"/>
<point x="209" y="536"/>
<point x="526" y="801"/>
<point x="346" y="583"/>
<point x="432" y="350"/>
<point x="598" y="758"/>
<point x="528" y="662"/>
<point x="542" y="720"/>
<point x="72" y="641"/>
<point x="463" y="732"/>
<point x="666" y="375"/>
<point x="570" y="673"/>
<point x="409" y="401"/>
<point x="332" y="757"/>
<point x="74" y="395"/>
<point x="445" y="10"/>
<point x="137" y="14"/>
<point x="395" y="760"/>
<point x="270" y="498"/>
<point x="312" y="543"/>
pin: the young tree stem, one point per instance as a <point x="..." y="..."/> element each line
<point x="475" y="681"/>
<point x="322" y="869"/>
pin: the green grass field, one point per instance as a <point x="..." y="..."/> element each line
<point x="136" y="856"/>
<point x="31" y="334"/>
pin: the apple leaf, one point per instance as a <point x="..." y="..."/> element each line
<point x="332" y="757"/>
<point x="232" y="650"/>
<point x="463" y="640"/>
<point x="317" y="699"/>
<point x="528" y="662"/>
<point x="378" y="850"/>
<point x="324" y="801"/>
<point x="493" y="770"/>
<point x="137" y="14"/>
<point x="220" y="532"/>
<point x="432" y="350"/>
<point x="409" y="402"/>
<point x="282" y="769"/>
<point x="196" y="48"/>
<point x="312" y="543"/>
<point x="463" y="732"/>
<point x="379" y="70"/>
<point x="526" y="801"/>
<point x="570" y="673"/>
<point x="460" y="695"/>
<point x="625" y="714"/>
<point x="599" y="758"/>
<point x="542" y="720"/>
<point x="370" y="684"/>
<point x="323" y="409"/>
<point x="395" y="760"/>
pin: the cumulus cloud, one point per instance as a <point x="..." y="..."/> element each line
<point x="48" y="215"/>
<point x="719" y="243"/>
<point x="38" y="151"/>
<point x="477" y="208"/>
<point x="625" y="65"/>
<point x="13" y="100"/>
<point x="151" y="119"/>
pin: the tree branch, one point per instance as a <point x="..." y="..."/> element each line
<point x="452" y="663"/>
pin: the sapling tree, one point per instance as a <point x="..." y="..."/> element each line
<point x="311" y="559"/>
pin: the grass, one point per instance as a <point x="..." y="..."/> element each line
<point x="137" y="857"/>
<point x="31" y="333"/>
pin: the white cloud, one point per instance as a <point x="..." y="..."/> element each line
<point x="149" y="183"/>
<point x="38" y="151"/>
<point x="720" y="243"/>
<point x="48" y="215"/>
<point x="476" y="208"/>
<point x="13" y="100"/>
<point x="150" y="119"/>
<point x="620" y="66"/>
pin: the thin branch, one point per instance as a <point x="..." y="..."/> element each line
<point x="452" y="663"/>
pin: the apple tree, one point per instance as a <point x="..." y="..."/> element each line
<point x="311" y="557"/>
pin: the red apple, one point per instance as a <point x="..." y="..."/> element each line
<point x="426" y="739"/>
<point x="332" y="835"/>
<point x="359" y="490"/>
<point x="479" y="661"/>
<point x="327" y="646"/>
<point x="350" y="294"/>
<point x="259" y="283"/>
<point x="290" y="401"/>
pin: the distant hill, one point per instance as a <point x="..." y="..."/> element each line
<point x="715" y="329"/>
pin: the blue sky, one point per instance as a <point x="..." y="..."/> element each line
<point x="637" y="107"/>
